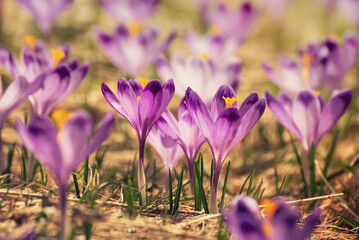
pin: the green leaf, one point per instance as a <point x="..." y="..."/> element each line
<point x="178" y="194"/>
<point x="225" y="185"/>
<point x="299" y="160"/>
<point x="249" y="190"/>
<point x="201" y="190"/>
<point x="313" y="184"/>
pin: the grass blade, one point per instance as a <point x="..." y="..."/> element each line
<point x="170" y="189"/>
<point x="249" y="190"/>
<point x="225" y="185"/>
<point x="313" y="184"/>
<point x="201" y="190"/>
<point x="244" y="184"/>
<point x="178" y="194"/>
<point x="299" y="161"/>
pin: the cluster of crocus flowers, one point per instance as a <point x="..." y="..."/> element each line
<point x="141" y="102"/>
<point x="63" y="149"/>
<point x="231" y="24"/>
<point x="201" y="74"/>
<point x="45" y="12"/>
<point x="133" y="49"/>
<point x="244" y="220"/>
<point x="184" y="132"/>
<point x="224" y="126"/>
<point x="61" y="78"/>
<point x="129" y="11"/>
<point x="322" y="64"/>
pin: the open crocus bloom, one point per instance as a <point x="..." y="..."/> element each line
<point x="307" y="116"/>
<point x="167" y="148"/>
<point x="185" y="132"/>
<point x="129" y="11"/>
<point x="231" y="24"/>
<point x="199" y="73"/>
<point x="132" y="49"/>
<point x="61" y="78"/>
<point x="224" y="126"/>
<point x="214" y="47"/>
<point x="45" y="12"/>
<point x="245" y="222"/>
<point x="141" y="102"/>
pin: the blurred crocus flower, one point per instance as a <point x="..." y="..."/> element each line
<point x="307" y="116"/>
<point x="350" y="9"/>
<point x="129" y="12"/>
<point x="132" y="50"/>
<point x="185" y="132"/>
<point x="45" y="12"/>
<point x="244" y="220"/>
<point x="201" y="74"/>
<point x="61" y="78"/>
<point x="323" y="64"/>
<point x="276" y="8"/>
<point x="167" y="148"/>
<point x="217" y="48"/>
<point x="141" y="102"/>
<point x="224" y="126"/>
<point x="61" y="151"/>
<point x="14" y="95"/>
<point x="231" y="24"/>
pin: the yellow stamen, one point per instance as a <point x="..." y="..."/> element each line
<point x="230" y="101"/>
<point x="60" y="117"/>
<point x="216" y="30"/>
<point x="143" y="81"/>
<point x="138" y="98"/>
<point x="335" y="37"/>
<point x="205" y="56"/>
<point x="316" y="92"/>
<point x="31" y="42"/>
<point x="57" y="56"/>
<point x="270" y="207"/>
<point x="134" y="28"/>
<point x="307" y="60"/>
<point x="267" y="229"/>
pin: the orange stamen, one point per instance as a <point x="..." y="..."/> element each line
<point x="205" y="57"/>
<point x="60" y="117"/>
<point x="143" y="81"/>
<point x="57" y="55"/>
<point x="307" y="60"/>
<point x="134" y="28"/>
<point x="216" y="30"/>
<point x="31" y="42"/>
<point x="316" y="92"/>
<point x="230" y="101"/>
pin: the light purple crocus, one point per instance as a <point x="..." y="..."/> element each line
<point x="61" y="78"/>
<point x="132" y="50"/>
<point x="201" y="74"/>
<point x="276" y="8"/>
<point x="45" y="12"/>
<point x="231" y="24"/>
<point x="219" y="49"/>
<point x="244" y="220"/>
<point x="14" y="95"/>
<point x="61" y="151"/>
<point x="185" y="132"/>
<point x="350" y="9"/>
<point x="307" y="116"/>
<point x="129" y="11"/>
<point x="224" y="126"/>
<point x="141" y="103"/>
<point x="170" y="151"/>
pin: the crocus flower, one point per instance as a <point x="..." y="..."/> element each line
<point x="45" y="12"/>
<point x="141" y="102"/>
<point x="200" y="73"/>
<point x="62" y="151"/>
<point x="307" y="116"/>
<point x="14" y="95"/>
<point x="350" y="9"/>
<point x="217" y="48"/>
<point x="185" y="132"/>
<point x="224" y="126"/>
<point x="244" y="220"/>
<point x="167" y="148"/>
<point x="132" y="50"/>
<point x="231" y="24"/>
<point x="61" y="78"/>
<point x="129" y="12"/>
<point x="275" y="8"/>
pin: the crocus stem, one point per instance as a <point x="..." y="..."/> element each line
<point x="191" y="173"/>
<point x="2" y="160"/>
<point x="63" y="202"/>
<point x="213" y="198"/>
<point x="141" y="172"/>
<point x="305" y="165"/>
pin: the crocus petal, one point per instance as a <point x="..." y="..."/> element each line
<point x="8" y="62"/>
<point x="248" y="103"/>
<point x="168" y="124"/>
<point x="218" y="103"/>
<point x="77" y="75"/>
<point x="284" y="222"/>
<point x="331" y="113"/>
<point x="310" y="223"/>
<point x="282" y="115"/>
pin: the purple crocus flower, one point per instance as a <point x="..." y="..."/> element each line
<point x="224" y="126"/>
<point x="129" y="11"/>
<point x="141" y="102"/>
<point x="275" y="8"/>
<point x="214" y="47"/>
<point x="167" y="148"/>
<point x="231" y="24"/>
<point x="244" y="220"/>
<point x="130" y="50"/>
<point x="14" y="95"/>
<point x="200" y="73"/>
<point x="45" y="11"/>
<point x="185" y="132"/>
<point x="62" y="151"/>
<point x="61" y="78"/>
<point x="350" y="9"/>
<point x="307" y="116"/>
